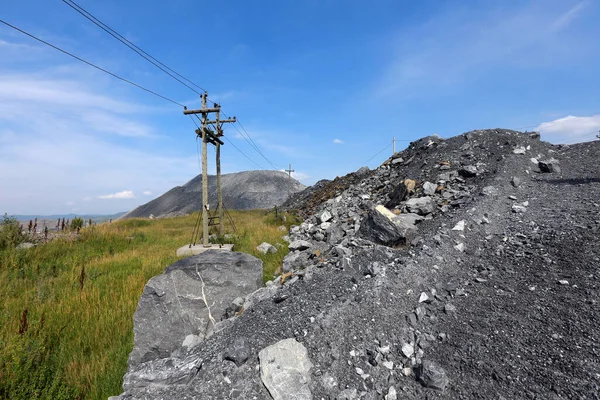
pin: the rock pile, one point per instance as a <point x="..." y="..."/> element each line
<point x="454" y="270"/>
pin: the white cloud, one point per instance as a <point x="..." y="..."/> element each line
<point x="147" y="193"/>
<point x="570" y="129"/>
<point x="70" y="203"/>
<point x="125" y="194"/>
<point x="338" y="141"/>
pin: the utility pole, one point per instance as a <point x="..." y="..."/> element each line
<point x="393" y="145"/>
<point x="290" y="170"/>
<point x="208" y="136"/>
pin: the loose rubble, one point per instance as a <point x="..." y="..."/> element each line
<point x="435" y="275"/>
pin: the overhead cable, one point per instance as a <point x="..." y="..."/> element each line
<point x="91" y="64"/>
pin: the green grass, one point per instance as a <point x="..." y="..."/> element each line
<point x="66" y="307"/>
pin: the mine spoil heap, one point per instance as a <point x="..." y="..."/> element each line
<point x="459" y="269"/>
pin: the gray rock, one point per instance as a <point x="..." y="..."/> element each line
<point x="239" y="352"/>
<point x="549" y="166"/>
<point x="516" y="208"/>
<point x="420" y="205"/>
<point x="391" y="394"/>
<point x="294" y="261"/>
<point x="515" y="181"/>
<point x="489" y="191"/>
<point x="25" y="246"/>
<point x="347" y="394"/>
<point x="174" y="304"/>
<point x="398" y="195"/>
<point x="265" y="248"/>
<point x="299" y="245"/>
<point x="397" y="160"/>
<point x="324" y="216"/>
<point x="432" y="376"/>
<point x="468" y="171"/>
<point x="282" y="228"/>
<point x="335" y="233"/>
<point x="383" y="227"/>
<point x="429" y="188"/>
<point x="285" y="370"/>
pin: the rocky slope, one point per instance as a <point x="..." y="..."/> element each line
<point x="460" y="269"/>
<point x="241" y="191"/>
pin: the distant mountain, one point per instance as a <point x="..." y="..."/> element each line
<point x="241" y="191"/>
<point x="93" y="217"/>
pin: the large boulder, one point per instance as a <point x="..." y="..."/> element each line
<point x="177" y="307"/>
<point x="420" y="205"/>
<point x="382" y="226"/>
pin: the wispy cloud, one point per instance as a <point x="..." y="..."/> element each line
<point x="147" y="193"/>
<point x="462" y="43"/>
<point x="338" y="141"/>
<point x="125" y="194"/>
<point x="570" y="129"/>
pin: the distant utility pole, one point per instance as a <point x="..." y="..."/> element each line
<point x="209" y="136"/>
<point x="598" y="135"/>
<point x="290" y="170"/>
<point x="393" y="145"/>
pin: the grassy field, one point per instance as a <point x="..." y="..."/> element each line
<point x="66" y="307"/>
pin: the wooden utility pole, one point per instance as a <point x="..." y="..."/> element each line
<point x="393" y="145"/>
<point x="290" y="170"/>
<point x="211" y="137"/>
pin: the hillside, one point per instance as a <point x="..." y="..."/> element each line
<point x="478" y="278"/>
<point x="241" y="191"/>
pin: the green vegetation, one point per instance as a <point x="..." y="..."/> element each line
<point x="10" y="233"/>
<point x="66" y="307"/>
<point x="76" y="223"/>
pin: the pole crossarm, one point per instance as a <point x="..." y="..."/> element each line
<point x="221" y="121"/>
<point x="211" y="137"/>
<point x="202" y="111"/>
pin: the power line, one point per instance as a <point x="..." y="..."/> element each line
<point x="259" y="166"/>
<point x="378" y="153"/>
<point x="90" y="64"/>
<point x="225" y="137"/>
<point x="132" y="46"/>
<point x="249" y="140"/>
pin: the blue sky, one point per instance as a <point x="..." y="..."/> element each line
<point x="321" y="85"/>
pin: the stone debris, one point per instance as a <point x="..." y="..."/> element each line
<point x="299" y="245"/>
<point x="460" y="226"/>
<point x="265" y="248"/>
<point x="432" y="375"/>
<point x="391" y="394"/>
<point x="285" y="370"/>
<point x="239" y="352"/>
<point x="549" y="166"/>
<point x="408" y="349"/>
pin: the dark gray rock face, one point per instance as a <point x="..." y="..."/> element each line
<point x="241" y="191"/>
<point x="383" y="227"/>
<point x="398" y="195"/>
<point x="172" y="312"/>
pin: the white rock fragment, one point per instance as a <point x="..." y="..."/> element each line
<point x="460" y="226"/>
<point x="423" y="298"/>
<point x="408" y="349"/>
<point x="460" y="247"/>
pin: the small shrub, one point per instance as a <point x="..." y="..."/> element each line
<point x="76" y="224"/>
<point x="10" y="233"/>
